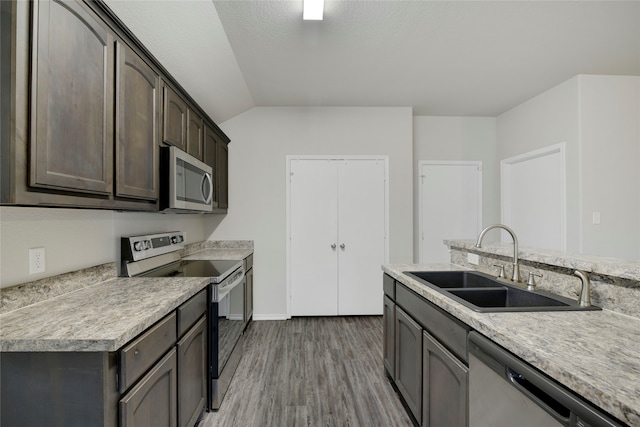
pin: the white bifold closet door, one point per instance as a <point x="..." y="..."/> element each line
<point x="337" y="220"/>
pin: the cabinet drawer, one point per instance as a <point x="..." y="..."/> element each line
<point x="248" y="262"/>
<point x="191" y="311"/>
<point x="450" y="331"/>
<point x="138" y="356"/>
<point x="388" y="284"/>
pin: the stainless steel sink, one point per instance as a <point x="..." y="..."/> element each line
<point x="483" y="293"/>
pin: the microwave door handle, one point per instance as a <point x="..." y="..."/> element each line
<point x="207" y="197"/>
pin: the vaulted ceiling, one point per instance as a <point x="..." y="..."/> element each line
<point x="457" y="58"/>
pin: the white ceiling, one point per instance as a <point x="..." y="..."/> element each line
<point x="456" y="58"/>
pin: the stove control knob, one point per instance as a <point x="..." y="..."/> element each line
<point x="176" y="239"/>
<point x="147" y="244"/>
<point x="138" y="246"/>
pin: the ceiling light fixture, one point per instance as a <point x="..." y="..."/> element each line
<point x="312" y="10"/>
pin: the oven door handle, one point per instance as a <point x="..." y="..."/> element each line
<point x="222" y="291"/>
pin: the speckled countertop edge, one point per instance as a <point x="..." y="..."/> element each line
<point x="102" y="317"/>
<point x="596" y="353"/>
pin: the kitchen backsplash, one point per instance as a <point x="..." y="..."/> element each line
<point x="29" y="293"/>
<point x="217" y="244"/>
<point x="615" y="284"/>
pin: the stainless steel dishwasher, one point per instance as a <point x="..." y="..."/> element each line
<point x="504" y="391"/>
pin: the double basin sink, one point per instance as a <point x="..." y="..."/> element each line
<point x="483" y="293"/>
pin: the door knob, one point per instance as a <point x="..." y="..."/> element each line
<point x="342" y="246"/>
<point x="333" y="246"/>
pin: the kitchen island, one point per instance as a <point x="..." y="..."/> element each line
<point x="596" y="353"/>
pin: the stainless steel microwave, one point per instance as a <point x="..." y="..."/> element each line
<point x="186" y="183"/>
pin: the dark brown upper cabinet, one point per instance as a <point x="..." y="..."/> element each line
<point x="174" y="128"/>
<point x="209" y="157"/>
<point x="72" y="100"/>
<point x="216" y="155"/>
<point x="87" y="107"/>
<point x="222" y="174"/>
<point x="137" y="126"/>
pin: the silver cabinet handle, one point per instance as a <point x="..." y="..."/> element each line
<point x="333" y="246"/>
<point x="342" y="246"/>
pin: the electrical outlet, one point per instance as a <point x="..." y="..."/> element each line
<point x="36" y="260"/>
<point x="473" y="258"/>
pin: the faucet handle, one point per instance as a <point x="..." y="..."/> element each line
<point x="501" y="275"/>
<point x="531" y="282"/>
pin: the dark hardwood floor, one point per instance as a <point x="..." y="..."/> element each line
<point x="312" y="371"/>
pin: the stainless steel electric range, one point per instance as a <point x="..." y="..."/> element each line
<point x="157" y="255"/>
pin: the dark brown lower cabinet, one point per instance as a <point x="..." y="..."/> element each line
<point x="408" y="360"/>
<point x="427" y="357"/>
<point x="152" y="381"/>
<point x="153" y="402"/>
<point x="445" y="383"/>
<point x="389" y="340"/>
<point x="192" y="374"/>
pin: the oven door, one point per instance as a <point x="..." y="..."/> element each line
<point x="227" y="324"/>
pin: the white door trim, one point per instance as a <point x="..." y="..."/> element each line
<point x="289" y="158"/>
<point x="422" y="163"/>
<point x="505" y="184"/>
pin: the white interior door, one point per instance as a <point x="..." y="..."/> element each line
<point x="361" y="236"/>
<point x="533" y="197"/>
<point x="450" y="206"/>
<point x="313" y="237"/>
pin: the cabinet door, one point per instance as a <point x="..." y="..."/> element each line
<point x="249" y="296"/>
<point x="361" y="236"/>
<point x="222" y="174"/>
<point x="389" y="340"/>
<point x="137" y="134"/>
<point x="445" y="386"/>
<point x="153" y="400"/>
<point x="192" y="374"/>
<point x="195" y="134"/>
<point x="409" y="361"/>
<point x="72" y="100"/>
<point x="174" y="119"/>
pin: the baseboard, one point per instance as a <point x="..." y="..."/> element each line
<point x="270" y="317"/>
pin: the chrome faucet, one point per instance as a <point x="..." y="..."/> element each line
<point x="515" y="277"/>
<point x="584" y="299"/>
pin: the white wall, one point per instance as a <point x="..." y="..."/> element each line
<point x="598" y="118"/>
<point x="610" y="168"/>
<point x="548" y="119"/>
<point x="76" y="238"/>
<point x="262" y="137"/>
<point x="458" y="138"/>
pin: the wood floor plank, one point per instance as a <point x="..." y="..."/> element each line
<point x="315" y="371"/>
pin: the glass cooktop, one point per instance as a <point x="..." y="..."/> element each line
<point x="216" y="270"/>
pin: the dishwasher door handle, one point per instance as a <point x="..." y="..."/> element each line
<point x="556" y="409"/>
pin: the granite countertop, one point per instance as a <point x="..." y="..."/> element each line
<point x="220" y="254"/>
<point x="102" y="317"/>
<point x="594" y="353"/>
